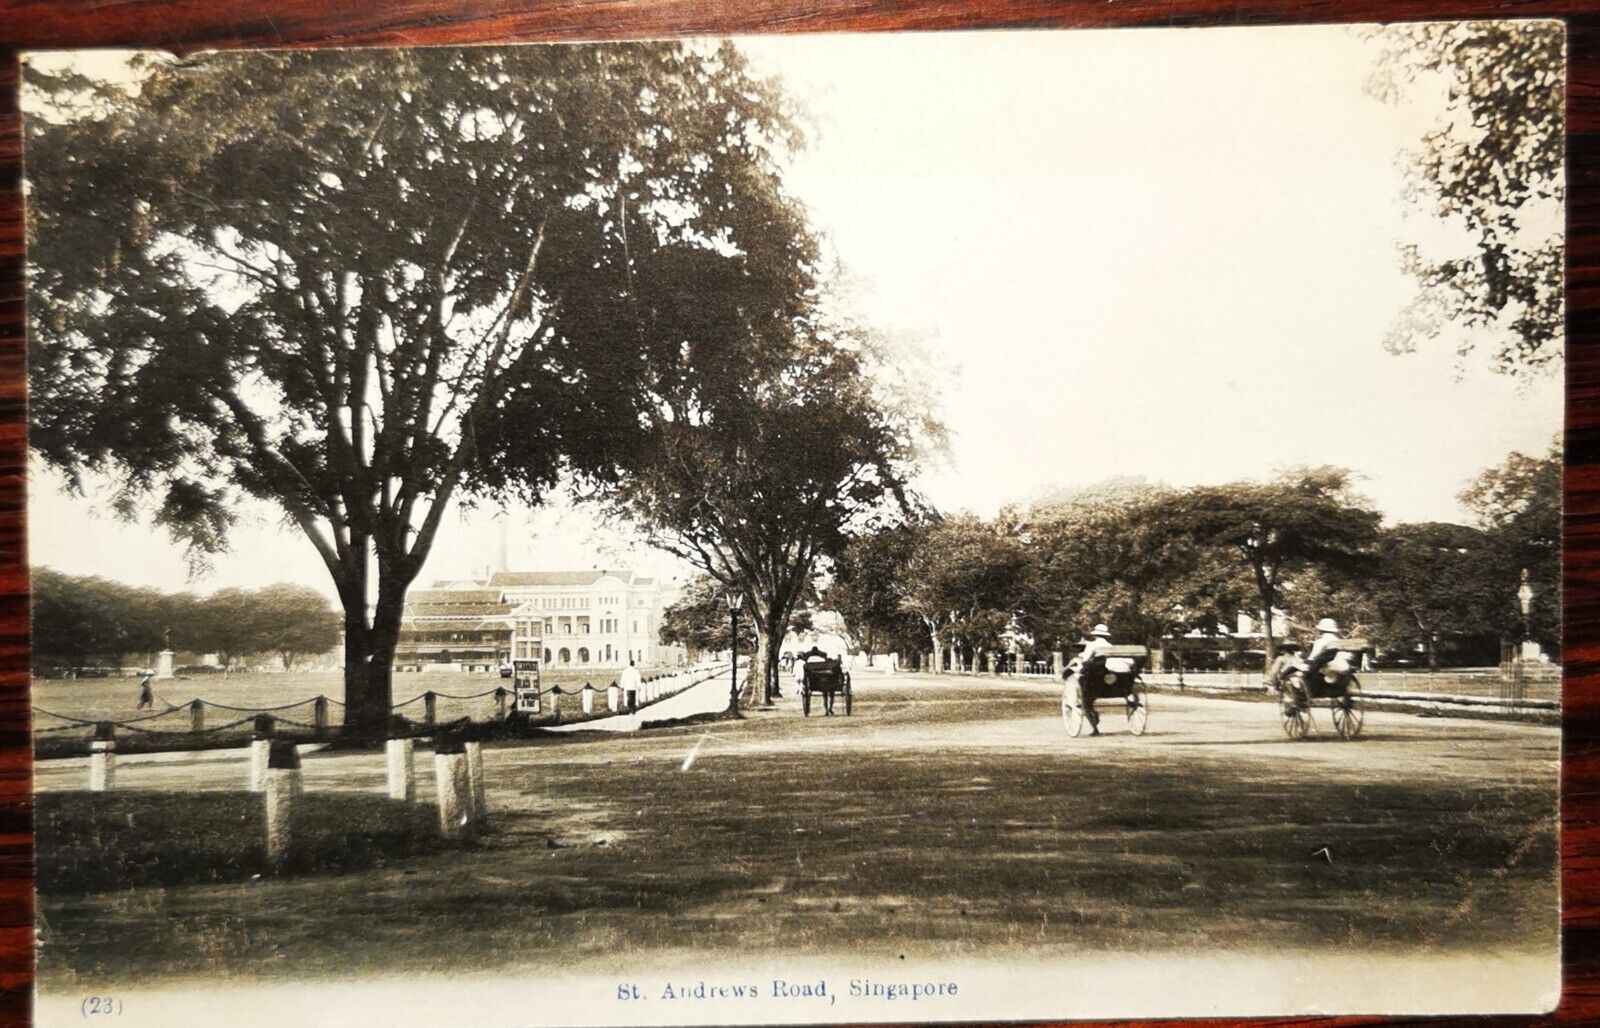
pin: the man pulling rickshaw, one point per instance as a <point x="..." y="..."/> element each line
<point x="1327" y="672"/>
<point x="1103" y="670"/>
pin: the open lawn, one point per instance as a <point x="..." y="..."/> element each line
<point x="945" y="818"/>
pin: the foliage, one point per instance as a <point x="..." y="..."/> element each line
<point x="700" y="621"/>
<point x="79" y="619"/>
<point x="1305" y="518"/>
<point x="1518" y="505"/>
<point x="963" y="582"/>
<point x="864" y="589"/>
<point x="1434" y="584"/>
<point x="359" y="284"/>
<point x="1493" y="166"/>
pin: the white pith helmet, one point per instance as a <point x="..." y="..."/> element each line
<point x="1328" y="625"/>
<point x="1101" y="631"/>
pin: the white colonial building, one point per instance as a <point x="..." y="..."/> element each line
<point x="600" y="618"/>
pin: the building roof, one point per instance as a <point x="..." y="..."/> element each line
<point x="454" y="625"/>
<point x="454" y="597"/>
<point x="524" y="579"/>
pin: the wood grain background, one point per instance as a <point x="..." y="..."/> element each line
<point x="194" y="24"/>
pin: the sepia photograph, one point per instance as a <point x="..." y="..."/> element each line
<point x="814" y="529"/>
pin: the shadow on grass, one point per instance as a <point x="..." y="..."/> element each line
<point x="104" y="841"/>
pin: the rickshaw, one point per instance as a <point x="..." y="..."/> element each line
<point x="826" y="678"/>
<point x="1112" y="674"/>
<point x="1335" y="681"/>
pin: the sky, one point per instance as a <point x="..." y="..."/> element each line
<point x="1168" y="254"/>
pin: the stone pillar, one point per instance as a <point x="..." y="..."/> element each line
<point x="500" y="703"/>
<point x="197" y="716"/>
<point x="588" y="698"/>
<point x="102" y="758"/>
<point x="479" y="814"/>
<point x="164" y="664"/>
<point x="282" y="786"/>
<point x="402" y="780"/>
<point x="430" y="707"/>
<point x="453" y="789"/>
<point x="260" y="751"/>
<point x="613" y="697"/>
<point x="319" y="716"/>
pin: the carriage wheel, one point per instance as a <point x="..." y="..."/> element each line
<point x="1347" y="712"/>
<point x="1072" y="709"/>
<point x="1296" y="719"/>
<point x="847" y="699"/>
<point x="805" y="700"/>
<point x="1138" y="710"/>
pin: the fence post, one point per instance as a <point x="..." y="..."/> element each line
<point x="478" y="812"/>
<point x="613" y="697"/>
<point x="402" y="781"/>
<point x="281" y="788"/>
<point x="588" y="698"/>
<point x="450" y="783"/>
<point x="260" y="749"/>
<point x="430" y="704"/>
<point x="1058" y="663"/>
<point x="103" y="758"/>
<point x="500" y="703"/>
<point x="319" y="711"/>
<point x="197" y="716"/>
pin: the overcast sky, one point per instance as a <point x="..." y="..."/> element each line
<point x="1159" y="253"/>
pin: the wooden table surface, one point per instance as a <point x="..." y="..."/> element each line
<point x="196" y="24"/>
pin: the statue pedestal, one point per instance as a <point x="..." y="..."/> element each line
<point x="1531" y="652"/>
<point x="164" y="664"/>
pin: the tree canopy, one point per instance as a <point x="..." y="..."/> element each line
<point x="1494" y="166"/>
<point x="360" y="284"/>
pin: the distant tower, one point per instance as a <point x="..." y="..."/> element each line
<point x="503" y="544"/>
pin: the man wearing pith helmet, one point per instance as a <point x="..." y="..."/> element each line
<point x="1099" y="642"/>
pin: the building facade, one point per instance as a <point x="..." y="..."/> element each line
<point x="599" y="618"/>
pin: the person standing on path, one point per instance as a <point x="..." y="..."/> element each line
<point x="147" y="693"/>
<point x="629" y="679"/>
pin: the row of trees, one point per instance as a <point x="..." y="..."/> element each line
<point x="362" y="285"/>
<point x="81" y="621"/>
<point x="1156" y="562"/>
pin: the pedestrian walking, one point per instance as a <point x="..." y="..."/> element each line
<point x="147" y="693"/>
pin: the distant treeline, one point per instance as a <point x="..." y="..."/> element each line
<point x="1155" y="562"/>
<point x="83" y="621"/>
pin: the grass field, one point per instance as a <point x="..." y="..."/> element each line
<point x="942" y="819"/>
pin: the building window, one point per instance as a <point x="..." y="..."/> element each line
<point x="583" y="655"/>
<point x="565" y="655"/>
<point x="547" y="655"/>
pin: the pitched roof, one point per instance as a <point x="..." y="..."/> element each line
<point x="523" y="579"/>
<point x="454" y="597"/>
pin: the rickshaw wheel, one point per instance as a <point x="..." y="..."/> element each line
<point x="1072" y="709"/>
<point x="1347" y="712"/>
<point x="805" y="701"/>
<point x="1138" y="710"/>
<point x="1296" y="719"/>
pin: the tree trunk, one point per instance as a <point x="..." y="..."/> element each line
<point x="1271" y="644"/>
<point x="369" y="654"/>
<point x="937" y="649"/>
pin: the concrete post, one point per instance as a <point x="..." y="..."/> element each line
<point x="450" y="783"/>
<point x="260" y="750"/>
<point x="319" y="716"/>
<point x="402" y="780"/>
<point x="500" y="703"/>
<point x="102" y="758"/>
<point x="479" y="812"/>
<point x="281" y="787"/>
<point x="1058" y="663"/>
<point x="197" y="716"/>
<point x="588" y="698"/>
<point x="430" y="707"/>
<point x="613" y="697"/>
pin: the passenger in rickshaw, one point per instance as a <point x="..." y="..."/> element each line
<point x="1280" y="676"/>
<point x="1093" y="657"/>
<point x="1323" y="650"/>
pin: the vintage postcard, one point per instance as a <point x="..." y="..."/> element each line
<point x="822" y="529"/>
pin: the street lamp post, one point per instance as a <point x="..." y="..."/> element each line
<point x="1525" y="601"/>
<point x="733" y="651"/>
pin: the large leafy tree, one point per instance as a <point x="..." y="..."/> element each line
<point x="1492" y="165"/>
<point x="293" y="622"/>
<point x="964" y="582"/>
<point x="1306" y="518"/>
<point x="700" y="621"/>
<point x="1434" y="584"/>
<point x="78" y="620"/>
<point x="1518" y="505"/>
<point x="1112" y="552"/>
<point x="864" y="588"/>
<point x="358" y="285"/>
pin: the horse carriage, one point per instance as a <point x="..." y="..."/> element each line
<point x="1334" y="681"/>
<point x="1112" y="674"/>
<point x="827" y="678"/>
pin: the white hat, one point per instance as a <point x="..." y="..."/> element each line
<point x="1328" y="625"/>
<point x="1101" y="629"/>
